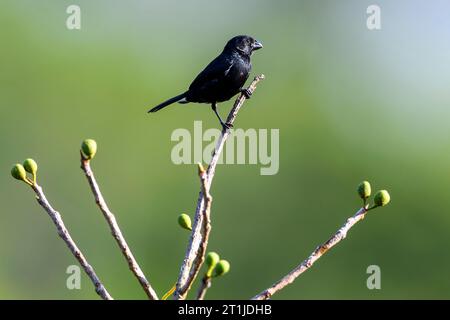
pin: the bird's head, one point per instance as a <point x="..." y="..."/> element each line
<point x="244" y="45"/>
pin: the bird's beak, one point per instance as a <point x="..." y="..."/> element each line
<point x="257" y="45"/>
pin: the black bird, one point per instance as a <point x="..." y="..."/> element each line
<point x="222" y="78"/>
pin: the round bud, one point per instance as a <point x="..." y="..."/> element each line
<point x="212" y="259"/>
<point x="222" y="267"/>
<point x="89" y="148"/>
<point x="18" y="172"/>
<point x="185" y="221"/>
<point x="30" y="166"/>
<point x="382" y="198"/>
<point x="364" y="190"/>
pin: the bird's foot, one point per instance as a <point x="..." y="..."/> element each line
<point x="226" y="126"/>
<point x="247" y="93"/>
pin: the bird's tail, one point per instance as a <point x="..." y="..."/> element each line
<point x="178" y="98"/>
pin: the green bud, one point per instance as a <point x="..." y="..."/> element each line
<point x="221" y="268"/>
<point x="185" y="221"/>
<point x="89" y="148"/>
<point x="18" y="172"/>
<point x="212" y="259"/>
<point x="382" y="198"/>
<point x="30" y="166"/>
<point x="364" y="190"/>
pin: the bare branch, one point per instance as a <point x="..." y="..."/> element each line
<point x="206" y="223"/>
<point x="319" y="252"/>
<point x="192" y="260"/>
<point x="115" y="230"/>
<point x="205" y="285"/>
<point x="64" y="234"/>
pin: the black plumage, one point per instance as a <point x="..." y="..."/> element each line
<point x="223" y="78"/>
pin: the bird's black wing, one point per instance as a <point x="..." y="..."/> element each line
<point x="208" y="82"/>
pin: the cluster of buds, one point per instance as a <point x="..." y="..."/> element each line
<point x="380" y="199"/>
<point x="19" y="171"/>
<point x="216" y="266"/>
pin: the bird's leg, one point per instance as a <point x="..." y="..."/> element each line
<point x="247" y="93"/>
<point x="224" y="125"/>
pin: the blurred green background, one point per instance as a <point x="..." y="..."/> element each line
<point x="351" y="104"/>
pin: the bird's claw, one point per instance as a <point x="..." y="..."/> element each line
<point x="247" y="93"/>
<point x="226" y="125"/>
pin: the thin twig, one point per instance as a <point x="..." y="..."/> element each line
<point x="319" y="252"/>
<point x="206" y="222"/>
<point x="205" y="285"/>
<point x="64" y="234"/>
<point x="115" y="230"/>
<point x="192" y="263"/>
